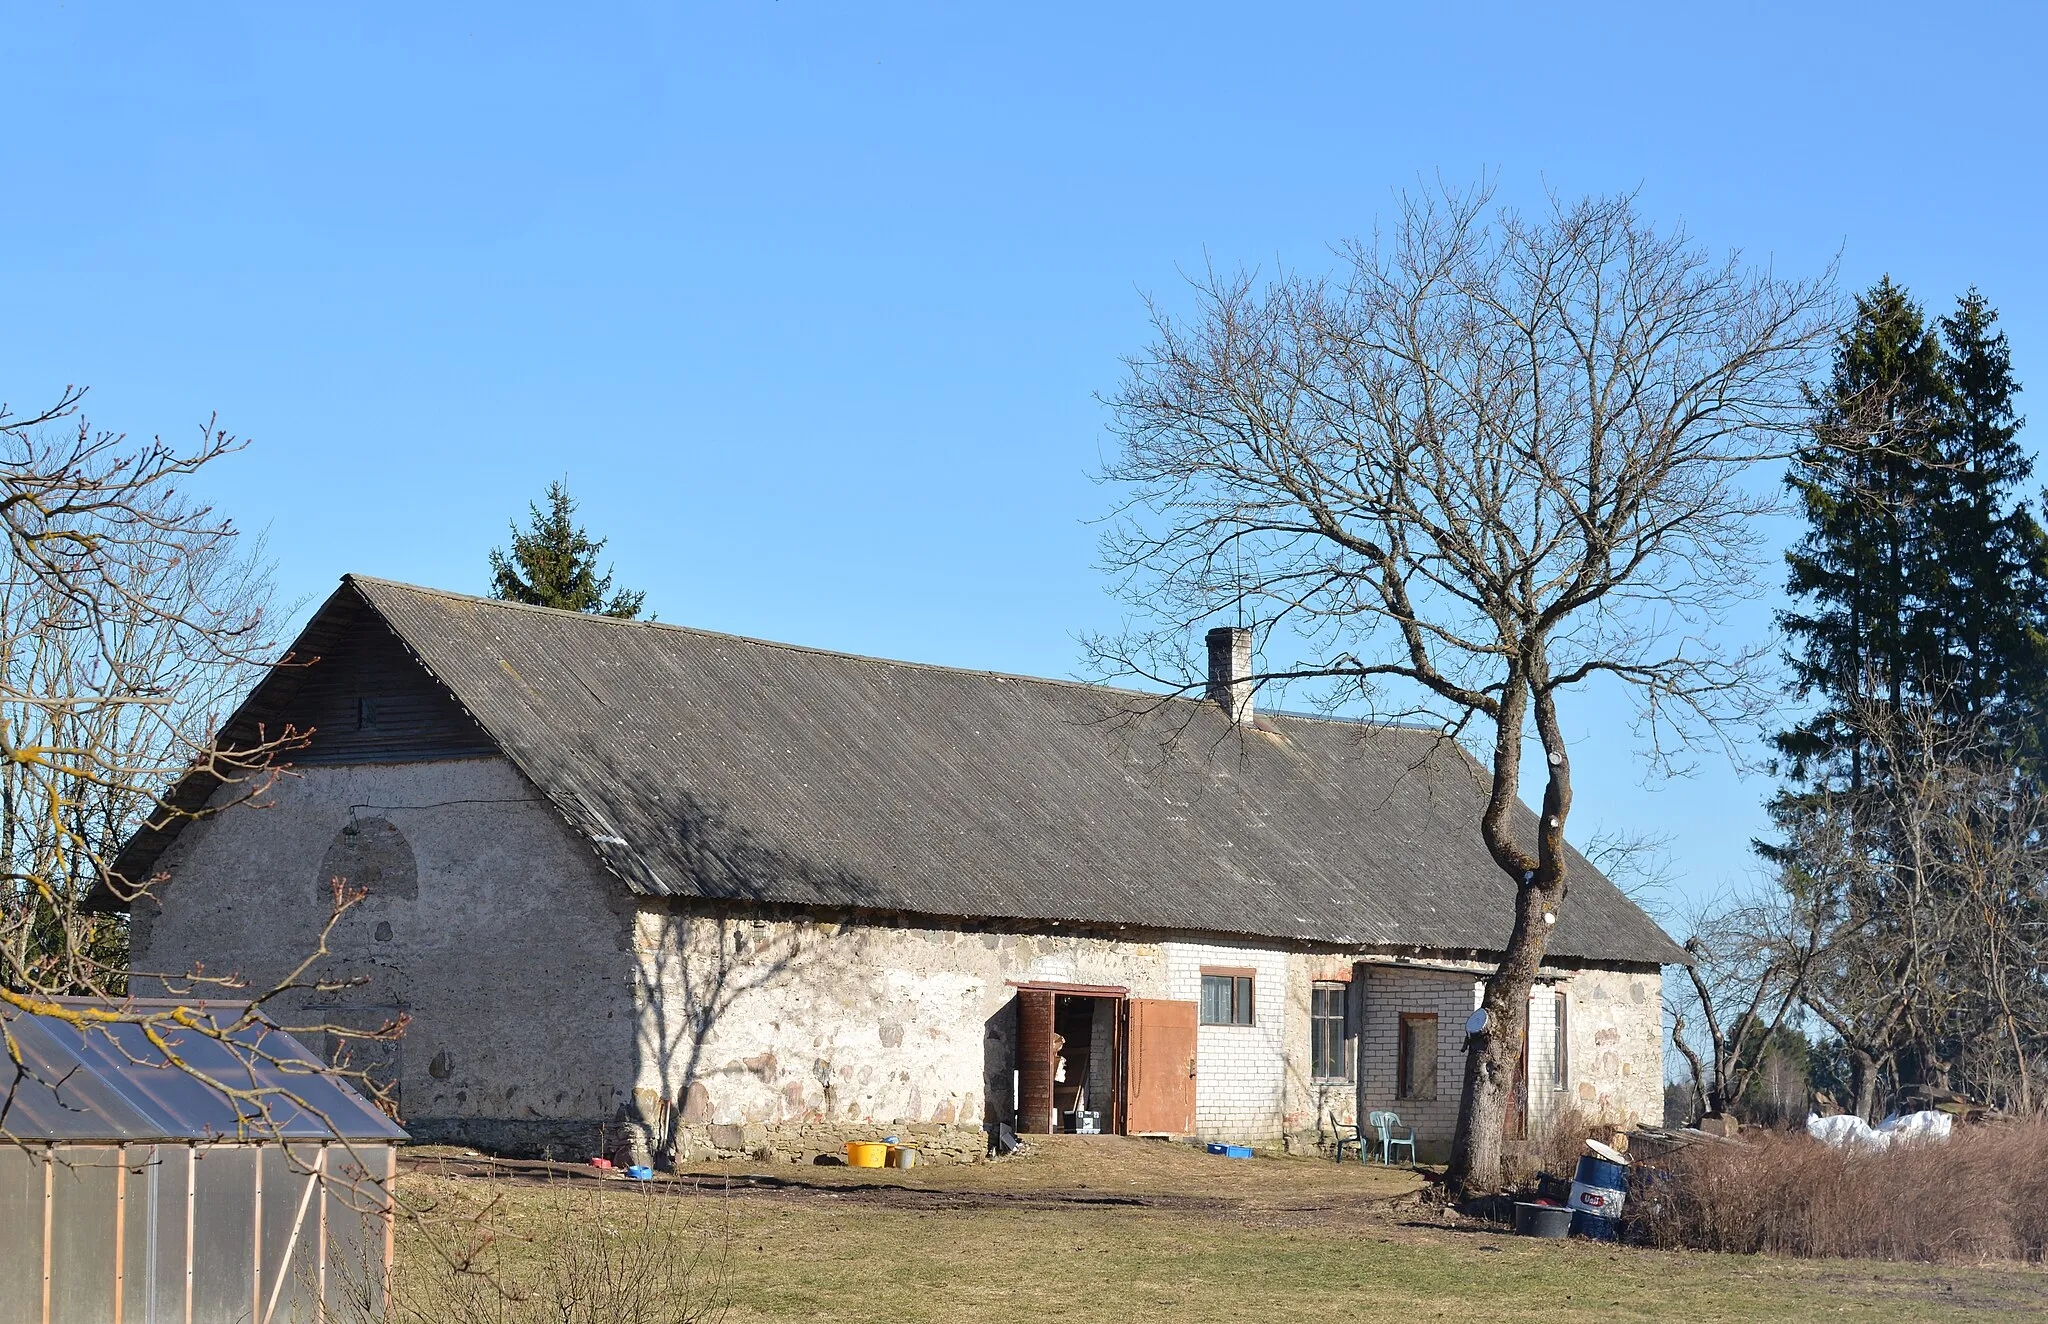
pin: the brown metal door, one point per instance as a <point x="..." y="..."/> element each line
<point x="1161" y="1068"/>
<point x="1034" y="1060"/>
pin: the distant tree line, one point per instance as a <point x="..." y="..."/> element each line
<point x="1907" y="931"/>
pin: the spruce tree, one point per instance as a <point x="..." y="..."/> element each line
<point x="553" y="563"/>
<point x="1860" y="634"/>
<point x="1861" y="480"/>
<point x="1921" y="587"/>
<point x="1987" y="588"/>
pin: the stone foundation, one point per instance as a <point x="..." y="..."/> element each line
<point x="568" y="1140"/>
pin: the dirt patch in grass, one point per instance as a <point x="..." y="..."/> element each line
<point x="1055" y="1172"/>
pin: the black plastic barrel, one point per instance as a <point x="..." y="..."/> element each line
<point x="1541" y="1220"/>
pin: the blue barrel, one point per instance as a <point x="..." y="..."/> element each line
<point x="1598" y="1190"/>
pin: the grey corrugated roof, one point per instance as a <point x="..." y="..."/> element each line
<point x="706" y="765"/>
<point x="109" y="1082"/>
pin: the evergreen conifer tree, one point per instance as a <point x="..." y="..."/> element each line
<point x="1921" y="587"/>
<point x="1861" y="482"/>
<point x="1987" y="590"/>
<point x="553" y="563"/>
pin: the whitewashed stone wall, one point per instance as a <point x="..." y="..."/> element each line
<point x="548" y="1007"/>
<point x="1319" y="1111"/>
<point x="1617" y="1045"/>
<point x="802" y="1021"/>
<point x="1239" y="1069"/>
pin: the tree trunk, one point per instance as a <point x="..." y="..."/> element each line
<point x="1863" y="1083"/>
<point x="1492" y="1055"/>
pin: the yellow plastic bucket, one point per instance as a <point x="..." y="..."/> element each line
<point x="866" y="1154"/>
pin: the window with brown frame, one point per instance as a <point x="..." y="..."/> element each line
<point x="1417" y="1058"/>
<point x="1227" y="997"/>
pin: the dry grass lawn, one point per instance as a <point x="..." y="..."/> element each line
<point x="1114" y="1229"/>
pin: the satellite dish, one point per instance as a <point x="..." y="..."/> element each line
<point x="1608" y="1152"/>
<point x="1476" y="1022"/>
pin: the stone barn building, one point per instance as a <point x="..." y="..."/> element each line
<point x="654" y="888"/>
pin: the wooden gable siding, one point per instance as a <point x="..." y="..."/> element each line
<point x="370" y="701"/>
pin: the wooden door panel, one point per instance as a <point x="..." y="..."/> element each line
<point x="1161" y="1093"/>
<point x="1034" y="1061"/>
<point x="1516" y="1126"/>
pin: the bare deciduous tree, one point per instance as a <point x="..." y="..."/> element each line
<point x="130" y="617"/>
<point x="1500" y="458"/>
<point x="1921" y="897"/>
<point x="1750" y="962"/>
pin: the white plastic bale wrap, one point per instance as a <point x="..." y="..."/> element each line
<point x="1845" y="1131"/>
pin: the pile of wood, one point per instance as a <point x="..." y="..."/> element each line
<point x="1651" y="1143"/>
<point x="1928" y="1098"/>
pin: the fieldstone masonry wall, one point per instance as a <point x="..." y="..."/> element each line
<point x="819" y="1031"/>
<point x="1318" y="1111"/>
<point x="1616" y="1023"/>
<point x="551" y="1011"/>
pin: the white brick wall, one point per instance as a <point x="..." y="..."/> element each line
<point x="1545" y="1099"/>
<point x="1238" y="1068"/>
<point x="1388" y="994"/>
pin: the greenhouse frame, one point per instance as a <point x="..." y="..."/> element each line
<point x="135" y="1191"/>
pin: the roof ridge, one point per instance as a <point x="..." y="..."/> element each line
<point x="816" y="651"/>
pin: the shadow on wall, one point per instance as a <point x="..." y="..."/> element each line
<point x="694" y="963"/>
<point x="998" y="1062"/>
<point x="369" y="855"/>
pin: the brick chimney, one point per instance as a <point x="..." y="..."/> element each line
<point x="1230" y="671"/>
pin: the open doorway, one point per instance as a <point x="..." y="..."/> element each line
<point x="1085" y="1049"/>
<point x="1070" y="1059"/>
<point x="1087" y="1088"/>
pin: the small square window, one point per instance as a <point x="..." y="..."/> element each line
<point x="1226" y="999"/>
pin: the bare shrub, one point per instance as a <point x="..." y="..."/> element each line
<point x="1981" y="1195"/>
<point x="1551" y="1148"/>
<point x="572" y="1252"/>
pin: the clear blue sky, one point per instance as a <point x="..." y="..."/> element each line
<point x="809" y="302"/>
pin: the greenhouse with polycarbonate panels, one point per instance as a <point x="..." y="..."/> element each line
<point x="232" y="1179"/>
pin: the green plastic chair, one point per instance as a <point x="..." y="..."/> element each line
<point x="1384" y="1125"/>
